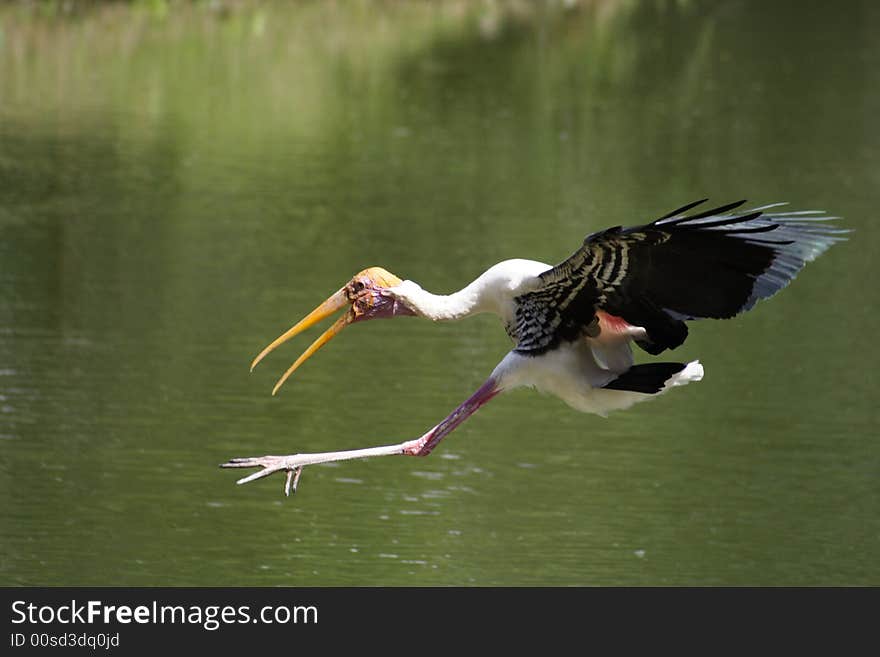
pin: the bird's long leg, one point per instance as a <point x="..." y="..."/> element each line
<point x="421" y="446"/>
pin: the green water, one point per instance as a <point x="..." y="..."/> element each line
<point x="178" y="185"/>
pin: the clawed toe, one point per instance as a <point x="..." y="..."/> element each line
<point x="292" y="480"/>
<point x="270" y="465"/>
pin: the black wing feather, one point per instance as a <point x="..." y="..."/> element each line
<point x="706" y="213"/>
<point x="676" y="268"/>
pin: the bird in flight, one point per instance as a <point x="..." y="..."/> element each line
<point x="573" y="325"/>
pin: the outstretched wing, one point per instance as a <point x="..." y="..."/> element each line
<point x="713" y="264"/>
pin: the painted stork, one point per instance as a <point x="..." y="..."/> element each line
<point x="573" y="324"/>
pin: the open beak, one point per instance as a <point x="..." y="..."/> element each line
<point x="337" y="302"/>
<point x="346" y="297"/>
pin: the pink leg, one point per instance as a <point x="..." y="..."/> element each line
<point x="294" y="463"/>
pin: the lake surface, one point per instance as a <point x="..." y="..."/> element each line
<point x="178" y="185"/>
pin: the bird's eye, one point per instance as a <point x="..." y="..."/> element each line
<point x="358" y="286"/>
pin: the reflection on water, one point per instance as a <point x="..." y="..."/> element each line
<point x="177" y="188"/>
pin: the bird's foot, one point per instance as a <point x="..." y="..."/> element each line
<point x="292" y="464"/>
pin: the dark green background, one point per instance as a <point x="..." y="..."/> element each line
<point x="179" y="184"/>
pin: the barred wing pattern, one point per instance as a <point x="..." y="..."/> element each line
<point x="713" y="264"/>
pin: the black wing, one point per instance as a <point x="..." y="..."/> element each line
<point x="714" y="264"/>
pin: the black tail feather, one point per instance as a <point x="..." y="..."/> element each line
<point x="649" y="378"/>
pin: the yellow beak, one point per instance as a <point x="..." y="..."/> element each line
<point x="362" y="306"/>
<point x="329" y="307"/>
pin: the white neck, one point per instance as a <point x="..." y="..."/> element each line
<point x="492" y="292"/>
<point x="442" y="307"/>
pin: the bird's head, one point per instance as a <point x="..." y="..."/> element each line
<point x="368" y="295"/>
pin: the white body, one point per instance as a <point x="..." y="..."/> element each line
<point x="574" y="371"/>
<point x="572" y="374"/>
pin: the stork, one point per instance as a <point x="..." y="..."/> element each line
<point x="573" y="325"/>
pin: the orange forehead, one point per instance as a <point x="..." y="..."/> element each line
<point x="380" y="276"/>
